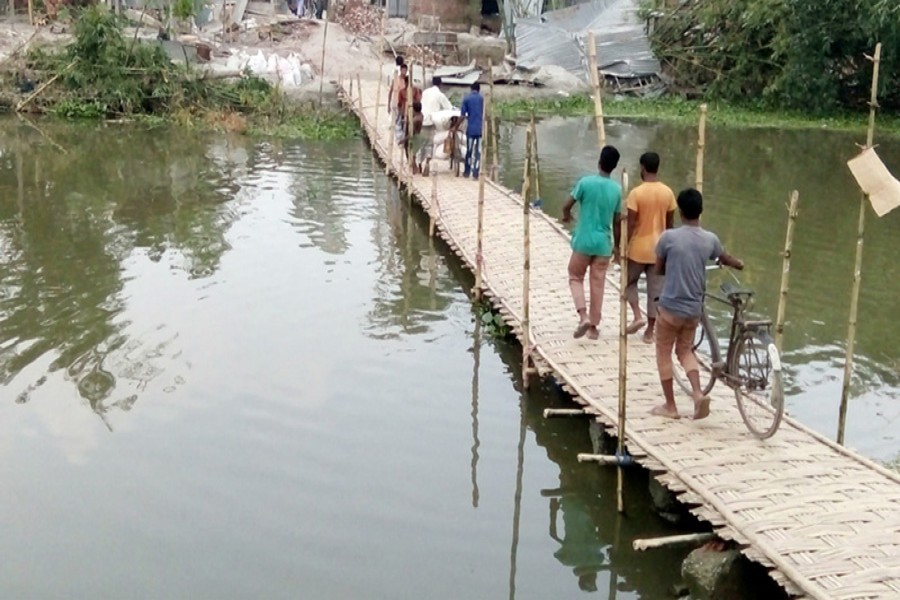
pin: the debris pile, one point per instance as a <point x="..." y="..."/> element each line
<point x="423" y="55"/>
<point x="358" y="18"/>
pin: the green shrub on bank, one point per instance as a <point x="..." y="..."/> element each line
<point x="103" y="74"/>
<point x="797" y="54"/>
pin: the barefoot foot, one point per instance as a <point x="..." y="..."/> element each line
<point x="582" y="329"/>
<point x="701" y="408"/>
<point x="663" y="411"/>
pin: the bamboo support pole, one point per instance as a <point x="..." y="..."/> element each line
<point x="595" y="84"/>
<point x="31" y="12"/>
<point x="701" y="146"/>
<point x="606" y="459"/>
<point x="526" y="264"/>
<point x="380" y="70"/>
<point x="672" y="540"/>
<point x="322" y="63"/>
<point x="564" y="412"/>
<point x="623" y="342"/>
<point x="360" y="97"/>
<point x="785" y="271"/>
<point x="435" y="206"/>
<point x="479" y="247"/>
<point x="494" y="135"/>
<point x="857" y="265"/>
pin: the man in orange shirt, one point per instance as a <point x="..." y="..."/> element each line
<point x="651" y="210"/>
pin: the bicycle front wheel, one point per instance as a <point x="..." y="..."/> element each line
<point x="756" y="369"/>
<point x="706" y="351"/>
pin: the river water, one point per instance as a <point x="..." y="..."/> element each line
<point x="240" y="368"/>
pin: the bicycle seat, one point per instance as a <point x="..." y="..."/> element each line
<point x="734" y="291"/>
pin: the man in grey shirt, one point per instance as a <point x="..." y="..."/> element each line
<point x="681" y="255"/>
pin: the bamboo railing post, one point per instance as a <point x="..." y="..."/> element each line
<point x="623" y="343"/>
<point x="494" y="136"/>
<point x="537" y="159"/>
<point x="857" y="265"/>
<point x="701" y="146"/>
<point x="322" y="64"/>
<point x="408" y="127"/>
<point x="380" y="71"/>
<point x="785" y="271"/>
<point x="479" y="259"/>
<point x="595" y="84"/>
<point x="360" y="95"/>
<point x="526" y="265"/>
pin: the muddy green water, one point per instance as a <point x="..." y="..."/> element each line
<point x="235" y="368"/>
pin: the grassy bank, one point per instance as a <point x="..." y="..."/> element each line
<point x="102" y="74"/>
<point x="679" y="110"/>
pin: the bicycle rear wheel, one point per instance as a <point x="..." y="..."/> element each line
<point x="758" y="389"/>
<point x="706" y="351"/>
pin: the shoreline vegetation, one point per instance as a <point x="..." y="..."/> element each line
<point x="102" y="75"/>
<point x="675" y="109"/>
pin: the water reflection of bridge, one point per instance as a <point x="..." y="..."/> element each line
<point x="825" y="520"/>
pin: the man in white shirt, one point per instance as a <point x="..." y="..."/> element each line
<point x="433" y="101"/>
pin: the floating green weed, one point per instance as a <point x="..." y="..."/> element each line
<point x="491" y="321"/>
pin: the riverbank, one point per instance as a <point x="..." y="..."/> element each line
<point x="679" y="110"/>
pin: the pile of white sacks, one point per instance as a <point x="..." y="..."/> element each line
<point x="287" y="71"/>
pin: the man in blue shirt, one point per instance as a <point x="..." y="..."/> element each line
<point x="473" y="112"/>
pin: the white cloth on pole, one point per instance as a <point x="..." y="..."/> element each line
<point x="876" y="181"/>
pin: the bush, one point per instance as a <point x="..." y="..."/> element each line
<point x="806" y="54"/>
<point x="104" y="74"/>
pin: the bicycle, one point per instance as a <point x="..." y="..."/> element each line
<point x="752" y="365"/>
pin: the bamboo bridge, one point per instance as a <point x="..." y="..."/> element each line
<point x="823" y="519"/>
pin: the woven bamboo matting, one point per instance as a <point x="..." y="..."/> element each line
<point x="824" y="519"/>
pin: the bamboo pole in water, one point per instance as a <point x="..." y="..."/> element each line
<point x="857" y="265"/>
<point x="623" y="342"/>
<point x="595" y="83"/>
<point x="479" y="260"/>
<point x="785" y="271"/>
<point x="322" y="64"/>
<point x="494" y="136"/>
<point x="435" y="206"/>
<point x="380" y="69"/>
<point x="526" y="265"/>
<point x="701" y="146"/>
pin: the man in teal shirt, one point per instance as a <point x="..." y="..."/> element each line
<point x="599" y="201"/>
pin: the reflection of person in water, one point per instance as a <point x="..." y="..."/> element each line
<point x="580" y="548"/>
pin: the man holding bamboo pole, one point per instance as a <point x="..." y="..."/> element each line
<point x="599" y="200"/>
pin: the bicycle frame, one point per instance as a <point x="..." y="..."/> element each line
<point x="740" y="303"/>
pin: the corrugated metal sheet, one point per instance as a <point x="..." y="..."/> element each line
<point x="559" y="38"/>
